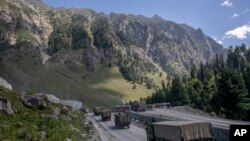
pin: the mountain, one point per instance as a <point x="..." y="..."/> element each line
<point x="95" y="57"/>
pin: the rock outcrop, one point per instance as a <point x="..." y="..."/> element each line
<point x="5" y="84"/>
<point x="37" y="100"/>
<point x="5" y="106"/>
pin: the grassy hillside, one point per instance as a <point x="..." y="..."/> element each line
<point x="104" y="87"/>
<point x="31" y="123"/>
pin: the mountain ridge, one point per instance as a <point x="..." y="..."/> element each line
<point x="37" y="40"/>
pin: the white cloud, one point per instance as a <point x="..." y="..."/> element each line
<point x="227" y="3"/>
<point x="217" y="40"/>
<point x="235" y="15"/>
<point x="240" y="32"/>
<point x="245" y="11"/>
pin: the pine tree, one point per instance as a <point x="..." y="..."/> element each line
<point x="232" y="95"/>
<point x="206" y="96"/>
<point x="179" y="93"/>
<point x="193" y="72"/>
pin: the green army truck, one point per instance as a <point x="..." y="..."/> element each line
<point x="106" y="115"/>
<point x="179" y="131"/>
<point x="122" y="120"/>
<point x="98" y="111"/>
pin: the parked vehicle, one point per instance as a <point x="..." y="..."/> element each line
<point x="106" y="115"/>
<point x="139" y="106"/>
<point x="122" y="120"/>
<point x="98" y="111"/>
<point x="179" y="131"/>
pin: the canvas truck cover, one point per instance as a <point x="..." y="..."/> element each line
<point x="188" y="130"/>
<point x="123" y="118"/>
<point x="106" y="113"/>
<point x="122" y="108"/>
<point x="97" y="110"/>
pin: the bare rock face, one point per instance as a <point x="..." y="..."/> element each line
<point x="5" y="106"/>
<point x="5" y="84"/>
<point x="37" y="100"/>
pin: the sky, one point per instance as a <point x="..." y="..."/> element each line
<point x="226" y="21"/>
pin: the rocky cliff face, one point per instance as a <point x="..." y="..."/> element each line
<point x="99" y="37"/>
<point x="23" y="21"/>
<point x="175" y="47"/>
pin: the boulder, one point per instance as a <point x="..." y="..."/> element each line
<point x="56" y="111"/>
<point x="36" y="100"/>
<point x="5" y="84"/>
<point x="5" y="106"/>
<point x="64" y="110"/>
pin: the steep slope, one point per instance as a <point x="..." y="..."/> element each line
<point x="175" y="47"/>
<point x="53" y="122"/>
<point x="97" y="58"/>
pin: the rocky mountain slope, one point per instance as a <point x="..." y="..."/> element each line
<point x="58" y="50"/>
<point x="34" y="117"/>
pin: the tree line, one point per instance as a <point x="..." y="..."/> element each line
<point x="220" y="88"/>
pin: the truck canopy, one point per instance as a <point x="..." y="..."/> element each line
<point x="123" y="118"/>
<point x="186" y="130"/>
<point x="106" y="112"/>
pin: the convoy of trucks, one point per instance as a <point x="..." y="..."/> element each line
<point x="122" y="117"/>
<point x="158" y="131"/>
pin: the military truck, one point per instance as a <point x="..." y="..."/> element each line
<point x="139" y="106"/>
<point x="106" y="115"/>
<point x="166" y="105"/>
<point x="122" y="108"/>
<point x="150" y="107"/>
<point x="122" y="120"/>
<point x="179" y="131"/>
<point x="98" y="111"/>
<point x="158" y="105"/>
